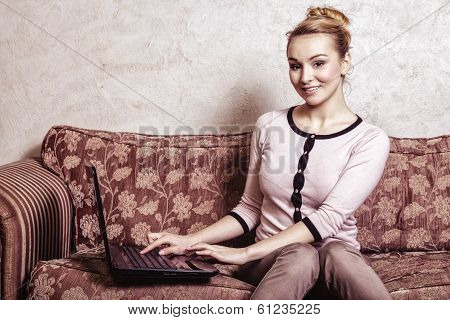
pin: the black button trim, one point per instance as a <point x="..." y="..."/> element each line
<point x="319" y="136"/>
<point x="240" y="220"/>
<point x="299" y="178"/>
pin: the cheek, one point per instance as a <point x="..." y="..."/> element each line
<point x="293" y="76"/>
<point x="328" y="74"/>
<point x="294" y="79"/>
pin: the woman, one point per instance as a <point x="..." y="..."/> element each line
<point x="311" y="166"/>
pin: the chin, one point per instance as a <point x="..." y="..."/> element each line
<point x="313" y="101"/>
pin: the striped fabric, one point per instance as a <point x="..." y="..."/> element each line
<point x="34" y="222"/>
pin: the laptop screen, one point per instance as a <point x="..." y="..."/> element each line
<point x="101" y="217"/>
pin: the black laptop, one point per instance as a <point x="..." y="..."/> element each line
<point x="126" y="261"/>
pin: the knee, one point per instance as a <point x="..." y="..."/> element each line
<point x="338" y="253"/>
<point x="301" y="257"/>
<point x="305" y="250"/>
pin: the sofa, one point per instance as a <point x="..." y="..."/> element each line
<point x="51" y="246"/>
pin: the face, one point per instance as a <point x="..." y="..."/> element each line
<point x="314" y="62"/>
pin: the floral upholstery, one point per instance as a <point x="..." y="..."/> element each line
<point x="410" y="208"/>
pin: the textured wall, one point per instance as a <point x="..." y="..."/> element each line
<point x="134" y="65"/>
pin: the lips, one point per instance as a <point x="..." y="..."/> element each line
<point x="310" y="87"/>
<point x="310" y="90"/>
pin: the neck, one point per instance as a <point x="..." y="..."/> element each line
<point x="332" y="110"/>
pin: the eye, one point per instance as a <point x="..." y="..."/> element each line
<point x="321" y="63"/>
<point x="294" y="66"/>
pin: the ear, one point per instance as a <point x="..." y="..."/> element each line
<point x="345" y="64"/>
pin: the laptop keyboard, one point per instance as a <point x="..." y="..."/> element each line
<point x="151" y="259"/>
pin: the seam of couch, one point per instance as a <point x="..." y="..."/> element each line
<point x="418" y="154"/>
<point x="434" y="286"/>
<point x="80" y="130"/>
<point x="67" y="128"/>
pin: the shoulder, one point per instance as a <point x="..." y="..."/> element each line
<point x="272" y="118"/>
<point x="264" y="120"/>
<point x="374" y="139"/>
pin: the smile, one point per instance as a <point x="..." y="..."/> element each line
<point x="311" y="90"/>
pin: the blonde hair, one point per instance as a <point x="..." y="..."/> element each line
<point x="326" y="20"/>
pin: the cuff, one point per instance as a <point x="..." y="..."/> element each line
<point x="240" y="220"/>
<point x="312" y="229"/>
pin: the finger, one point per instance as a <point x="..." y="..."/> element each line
<point x="153" y="236"/>
<point x="200" y="245"/>
<point x="169" y="250"/>
<point x="153" y="245"/>
<point x="204" y="252"/>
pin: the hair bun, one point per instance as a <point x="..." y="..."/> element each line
<point x="328" y="12"/>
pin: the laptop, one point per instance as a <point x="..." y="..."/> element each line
<point x="126" y="261"/>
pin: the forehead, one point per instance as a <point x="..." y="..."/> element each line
<point x="305" y="46"/>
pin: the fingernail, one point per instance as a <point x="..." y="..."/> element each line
<point x="161" y="252"/>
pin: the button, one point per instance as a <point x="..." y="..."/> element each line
<point x="296" y="190"/>
<point x="313" y="136"/>
<point x="306" y="152"/>
<point x="297" y="209"/>
<point x="299" y="171"/>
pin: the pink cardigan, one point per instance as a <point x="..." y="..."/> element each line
<point x="318" y="179"/>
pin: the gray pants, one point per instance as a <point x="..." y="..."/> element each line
<point x="300" y="271"/>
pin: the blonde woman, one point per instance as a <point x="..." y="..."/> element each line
<point x="311" y="167"/>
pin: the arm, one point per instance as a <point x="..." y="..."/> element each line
<point x="248" y="210"/>
<point x="224" y="229"/>
<point x="295" y="233"/>
<point x="240" y="220"/>
<point x="246" y="215"/>
<point x="35" y="218"/>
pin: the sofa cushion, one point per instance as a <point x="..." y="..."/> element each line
<point x="414" y="275"/>
<point x="407" y="275"/>
<point x="409" y="210"/>
<point x="85" y="276"/>
<point x="177" y="184"/>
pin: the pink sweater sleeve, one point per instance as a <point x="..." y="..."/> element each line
<point x="359" y="178"/>
<point x="248" y="210"/>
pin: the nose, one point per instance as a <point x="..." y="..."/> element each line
<point x="306" y="76"/>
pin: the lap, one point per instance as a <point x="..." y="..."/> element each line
<point x="252" y="272"/>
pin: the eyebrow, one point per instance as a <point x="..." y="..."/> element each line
<point x="321" y="54"/>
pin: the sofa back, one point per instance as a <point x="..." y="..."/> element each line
<point x="184" y="183"/>
<point x="409" y="210"/>
<point x="177" y="184"/>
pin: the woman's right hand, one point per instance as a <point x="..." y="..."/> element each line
<point x="177" y="243"/>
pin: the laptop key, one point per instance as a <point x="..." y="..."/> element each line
<point x="158" y="258"/>
<point x="148" y="262"/>
<point x="130" y="257"/>
<point x="137" y="257"/>
<point x="168" y="262"/>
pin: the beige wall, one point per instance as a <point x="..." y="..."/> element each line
<point x="133" y="65"/>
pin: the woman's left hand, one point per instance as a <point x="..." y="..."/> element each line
<point x="220" y="253"/>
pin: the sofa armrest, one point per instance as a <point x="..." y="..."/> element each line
<point x="35" y="222"/>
